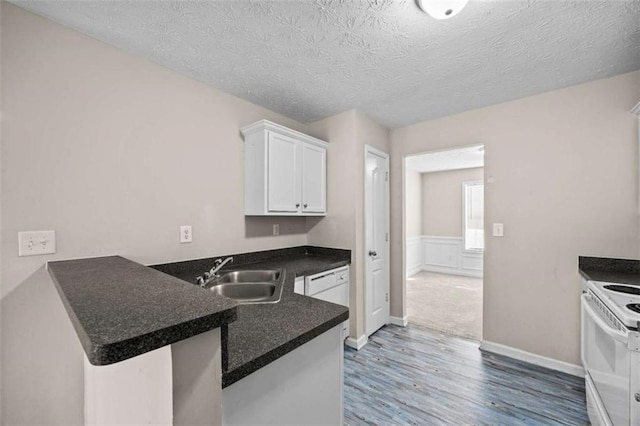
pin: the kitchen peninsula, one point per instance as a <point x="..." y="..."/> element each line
<point x="127" y="313"/>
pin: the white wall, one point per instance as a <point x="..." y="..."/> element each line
<point x="561" y="173"/>
<point x="442" y="201"/>
<point x="114" y="153"/>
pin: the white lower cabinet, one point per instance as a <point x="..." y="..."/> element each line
<point x="330" y="286"/>
<point x="304" y="387"/>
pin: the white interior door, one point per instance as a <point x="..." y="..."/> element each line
<point x="283" y="174"/>
<point x="376" y="239"/>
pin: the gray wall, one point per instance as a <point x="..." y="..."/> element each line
<point x="114" y="153"/>
<point x="442" y="201"/>
<point x="561" y="173"/>
<point x="343" y="227"/>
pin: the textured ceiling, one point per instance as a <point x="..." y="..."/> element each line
<point x="311" y="59"/>
<point x="453" y="159"/>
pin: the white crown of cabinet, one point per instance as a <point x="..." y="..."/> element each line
<point x="285" y="172"/>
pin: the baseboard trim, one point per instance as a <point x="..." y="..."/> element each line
<point x="543" y="361"/>
<point x="358" y="343"/>
<point x="452" y="271"/>
<point x="402" y="322"/>
<point x="411" y="272"/>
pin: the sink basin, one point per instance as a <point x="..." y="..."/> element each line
<point x="255" y="276"/>
<point x="250" y="286"/>
<point x="246" y="292"/>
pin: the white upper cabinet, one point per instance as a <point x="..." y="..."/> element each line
<point x="314" y="178"/>
<point x="285" y="172"/>
<point x="283" y="177"/>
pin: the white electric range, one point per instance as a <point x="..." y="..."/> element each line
<point x="611" y="352"/>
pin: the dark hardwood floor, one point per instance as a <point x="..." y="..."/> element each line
<point x="416" y="376"/>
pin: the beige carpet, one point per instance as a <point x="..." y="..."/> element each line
<point x="448" y="303"/>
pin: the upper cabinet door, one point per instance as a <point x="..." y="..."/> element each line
<point x="314" y="179"/>
<point x="284" y="171"/>
<point x="283" y="174"/>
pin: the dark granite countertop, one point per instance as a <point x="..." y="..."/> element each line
<point x="121" y="309"/>
<point x="619" y="271"/>
<point x="263" y="333"/>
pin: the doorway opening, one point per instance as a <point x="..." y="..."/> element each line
<point x="444" y="246"/>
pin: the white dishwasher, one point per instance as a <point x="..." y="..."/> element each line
<point x="331" y="286"/>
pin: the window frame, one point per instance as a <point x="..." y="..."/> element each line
<point x="464" y="215"/>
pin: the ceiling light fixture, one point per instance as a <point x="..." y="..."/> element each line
<point x="442" y="9"/>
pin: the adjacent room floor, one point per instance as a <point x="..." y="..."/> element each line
<point x="416" y="376"/>
<point x="448" y="303"/>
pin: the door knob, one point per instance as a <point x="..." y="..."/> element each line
<point x="297" y="205"/>
<point x="372" y="253"/>
<point x="305" y="205"/>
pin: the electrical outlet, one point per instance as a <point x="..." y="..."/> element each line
<point x="33" y="243"/>
<point x="498" y="229"/>
<point x="186" y="234"/>
<point x="276" y="229"/>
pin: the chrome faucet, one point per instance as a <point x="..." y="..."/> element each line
<point x="213" y="273"/>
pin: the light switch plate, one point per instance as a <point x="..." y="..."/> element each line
<point x="186" y="234"/>
<point x="498" y="229"/>
<point x="33" y="243"/>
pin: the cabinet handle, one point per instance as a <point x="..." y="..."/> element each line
<point x="297" y="205"/>
<point x="305" y="206"/>
<point x="373" y="253"/>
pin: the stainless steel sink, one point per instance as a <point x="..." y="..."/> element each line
<point x="255" y="276"/>
<point x="246" y="292"/>
<point x="250" y="286"/>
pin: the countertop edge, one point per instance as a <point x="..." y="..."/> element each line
<point x="584" y="275"/>
<point x="610" y="270"/>
<point x="100" y="352"/>
<point x="85" y="341"/>
<point x="337" y="264"/>
<point x="231" y="377"/>
<point x="111" y="353"/>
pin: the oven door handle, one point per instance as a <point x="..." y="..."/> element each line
<point x="600" y="322"/>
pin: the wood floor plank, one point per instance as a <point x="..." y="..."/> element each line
<point x="417" y="376"/>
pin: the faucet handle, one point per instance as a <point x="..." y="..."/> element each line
<point x="200" y="281"/>
<point x="207" y="275"/>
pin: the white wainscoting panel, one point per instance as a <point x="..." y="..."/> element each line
<point x="414" y="255"/>
<point x="441" y="254"/>
<point x="472" y="262"/>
